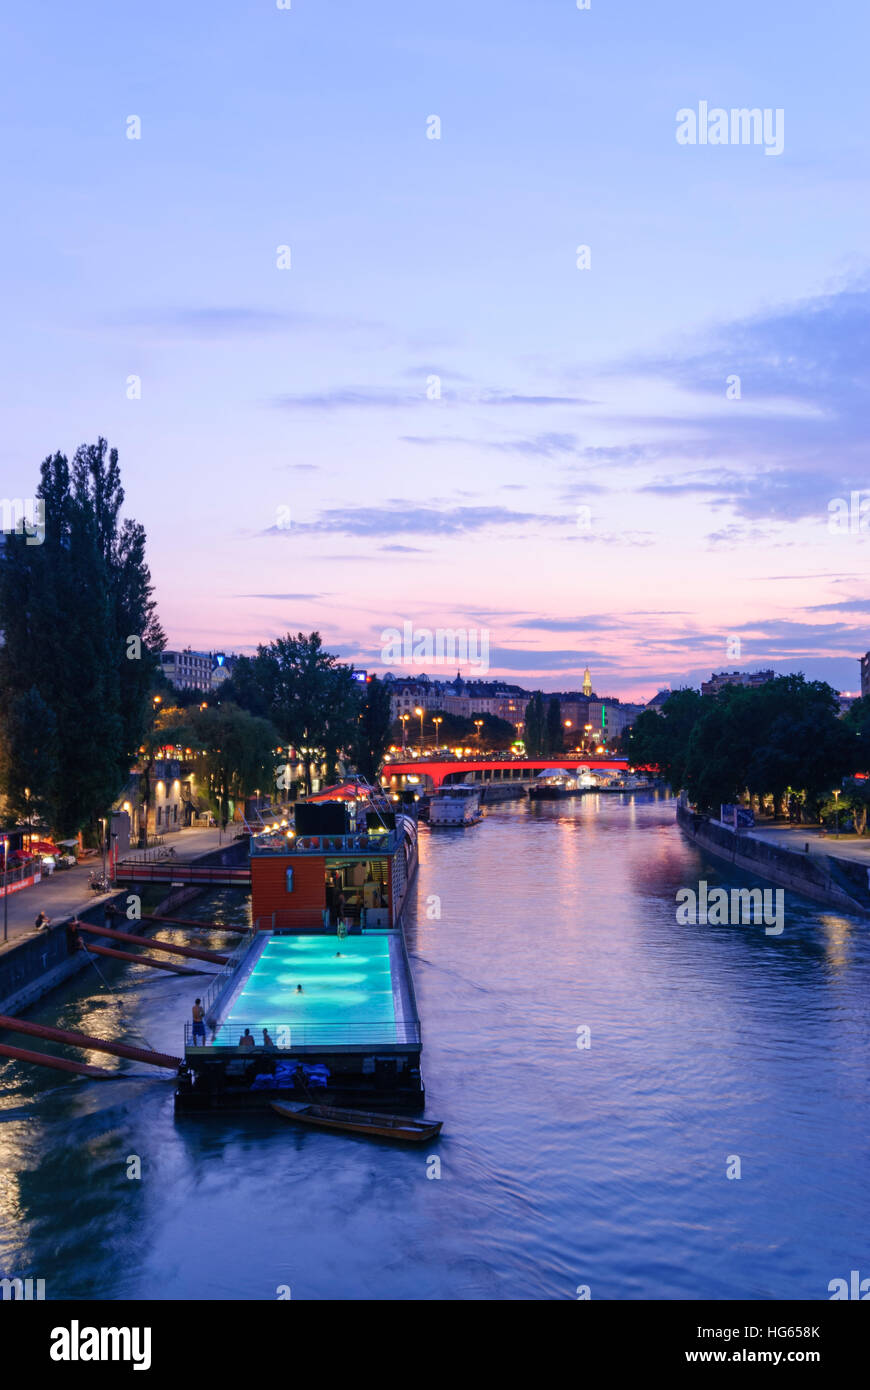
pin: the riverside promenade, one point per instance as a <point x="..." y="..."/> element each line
<point x="811" y="839"/>
<point x="796" y="857"/>
<point x="65" y="893"/>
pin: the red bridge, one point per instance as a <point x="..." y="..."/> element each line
<point x="435" y="772"/>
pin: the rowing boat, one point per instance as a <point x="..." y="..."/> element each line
<point x="361" y="1122"/>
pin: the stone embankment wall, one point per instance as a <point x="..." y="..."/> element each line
<point x="840" y="883"/>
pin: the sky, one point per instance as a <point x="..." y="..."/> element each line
<point x="329" y="307"/>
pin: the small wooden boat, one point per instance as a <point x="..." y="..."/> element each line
<point x="398" y="1127"/>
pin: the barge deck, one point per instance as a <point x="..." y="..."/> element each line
<point x="314" y="1005"/>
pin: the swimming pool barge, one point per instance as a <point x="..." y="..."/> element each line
<point x="351" y="1036"/>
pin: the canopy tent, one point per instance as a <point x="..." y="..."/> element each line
<point x="342" y="791"/>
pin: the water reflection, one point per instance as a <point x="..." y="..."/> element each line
<point x="560" y="1165"/>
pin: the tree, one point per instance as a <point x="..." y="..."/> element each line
<point x="79" y="627"/>
<point x="661" y="739"/>
<point x="857" y="719"/>
<point x="553" y="732"/>
<point x="535" y="726"/>
<point x="310" y="697"/>
<point x="239" y="753"/>
<point x="855" y="801"/>
<point x="780" y="737"/>
<point x="373" y="729"/>
<point x="30" y="758"/>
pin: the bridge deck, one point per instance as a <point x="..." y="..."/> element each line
<point x="170" y="871"/>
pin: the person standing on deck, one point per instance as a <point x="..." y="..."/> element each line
<point x="198" y="1013"/>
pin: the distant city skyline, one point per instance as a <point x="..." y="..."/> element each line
<point x="553" y="375"/>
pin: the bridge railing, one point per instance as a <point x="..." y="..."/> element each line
<point x="287" y="1036"/>
<point x="169" y="869"/>
<point x="327" y="844"/>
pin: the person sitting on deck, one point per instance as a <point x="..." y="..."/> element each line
<point x="246" y="1040"/>
<point x="267" y="1041"/>
<point x="198" y="1020"/>
<point x="43" y="922"/>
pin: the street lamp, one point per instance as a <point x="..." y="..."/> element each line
<point x="436" y="720"/>
<point x="837" y="814"/>
<point x="404" y="718"/>
<point x="419" y="711"/>
<point x="478" y="724"/>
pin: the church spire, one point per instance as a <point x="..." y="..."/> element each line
<point x="587" y="682"/>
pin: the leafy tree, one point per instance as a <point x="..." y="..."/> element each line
<point x="854" y="802"/>
<point x="720" y="747"/>
<point x="857" y="719"/>
<point x="373" y="729"/>
<point x="69" y="608"/>
<point x="661" y="739"/>
<point x="30" y="759"/>
<point x="553" y="735"/>
<point x="768" y="740"/>
<point x="535" y="726"/>
<point x="306" y="692"/>
<point x="239" y="755"/>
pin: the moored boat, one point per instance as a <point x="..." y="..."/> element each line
<point x="627" y="782"/>
<point x="457" y="804"/>
<point x="555" y="784"/>
<point x="398" y="1127"/>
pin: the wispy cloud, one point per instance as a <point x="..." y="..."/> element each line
<point x="412" y="519"/>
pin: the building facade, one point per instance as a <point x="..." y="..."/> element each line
<point x="190" y="670"/>
<point x="720" y="679"/>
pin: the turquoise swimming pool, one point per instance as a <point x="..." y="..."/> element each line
<point x="347" y="993"/>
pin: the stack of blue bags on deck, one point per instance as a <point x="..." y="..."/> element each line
<point x="284" y="1077"/>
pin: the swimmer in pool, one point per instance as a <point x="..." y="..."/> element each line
<point x="298" y="989"/>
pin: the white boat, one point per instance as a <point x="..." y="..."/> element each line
<point x="554" y="784"/>
<point x="589" y="781"/>
<point x="628" y="782"/>
<point x="458" y="804"/>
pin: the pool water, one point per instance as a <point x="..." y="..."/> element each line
<point x="353" y="988"/>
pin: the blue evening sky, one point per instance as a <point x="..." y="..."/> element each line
<point x="285" y="457"/>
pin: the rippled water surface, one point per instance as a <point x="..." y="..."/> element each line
<point x="560" y="1166"/>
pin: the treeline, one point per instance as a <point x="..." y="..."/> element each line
<point x="314" y="704"/>
<point x="543" y="732"/>
<point x="781" y="743"/>
<point x="80" y="648"/>
<point x="81" y="686"/>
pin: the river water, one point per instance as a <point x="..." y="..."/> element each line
<point x="561" y="1167"/>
